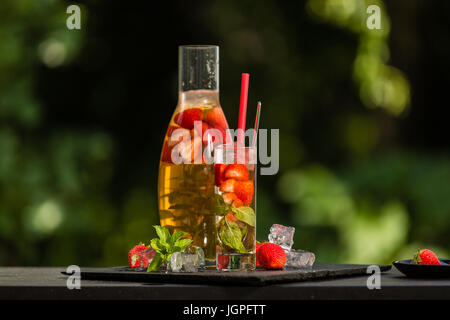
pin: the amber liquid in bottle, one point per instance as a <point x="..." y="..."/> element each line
<point x="186" y="190"/>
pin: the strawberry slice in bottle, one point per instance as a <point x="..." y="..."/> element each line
<point x="187" y="118"/>
<point x="219" y="169"/>
<point x="166" y="154"/>
<point x="176" y="135"/>
<point x="187" y="151"/>
<point x="216" y="118"/>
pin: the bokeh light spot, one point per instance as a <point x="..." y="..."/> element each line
<point x="46" y="217"/>
<point x="52" y="53"/>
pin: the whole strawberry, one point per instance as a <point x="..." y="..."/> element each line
<point x="137" y="258"/>
<point x="222" y="261"/>
<point x="425" y="256"/>
<point x="258" y="245"/>
<point x="271" y="256"/>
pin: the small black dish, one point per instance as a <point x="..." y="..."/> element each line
<point x="424" y="270"/>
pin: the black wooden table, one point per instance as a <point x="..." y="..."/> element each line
<point x="49" y="284"/>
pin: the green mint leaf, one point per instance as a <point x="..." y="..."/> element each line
<point x="156" y="263"/>
<point x="219" y="200"/>
<point x="156" y="244"/>
<point x="167" y="246"/>
<point x="177" y="249"/>
<point x="231" y="235"/>
<point x="244" y="231"/>
<point x="221" y="211"/>
<point x="167" y="258"/>
<point x="162" y="233"/>
<point x="245" y="214"/>
<point x="177" y="235"/>
<point x="221" y="207"/>
<point x="160" y="246"/>
<point x="182" y="244"/>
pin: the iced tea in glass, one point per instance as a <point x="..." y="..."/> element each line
<point x="235" y="186"/>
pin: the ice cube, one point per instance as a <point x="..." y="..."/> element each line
<point x="176" y="262"/>
<point x="199" y="252"/>
<point x="184" y="262"/>
<point x="282" y="235"/>
<point x="299" y="259"/>
<point x="190" y="262"/>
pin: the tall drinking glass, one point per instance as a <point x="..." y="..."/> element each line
<point x="235" y="179"/>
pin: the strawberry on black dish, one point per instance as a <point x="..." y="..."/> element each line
<point x="425" y="256"/>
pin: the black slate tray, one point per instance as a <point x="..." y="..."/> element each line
<point x="258" y="277"/>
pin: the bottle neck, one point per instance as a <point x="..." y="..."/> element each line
<point x="198" y="68"/>
<point x="194" y="98"/>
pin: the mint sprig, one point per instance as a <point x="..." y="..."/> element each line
<point x="243" y="213"/>
<point x="165" y="245"/>
<point x="230" y="233"/>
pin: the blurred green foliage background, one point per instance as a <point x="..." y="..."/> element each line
<point x="364" y="153"/>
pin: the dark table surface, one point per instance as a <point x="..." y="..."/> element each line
<point x="49" y="283"/>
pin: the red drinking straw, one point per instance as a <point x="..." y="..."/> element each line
<point x="243" y="108"/>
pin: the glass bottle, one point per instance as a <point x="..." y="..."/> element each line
<point x="186" y="195"/>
